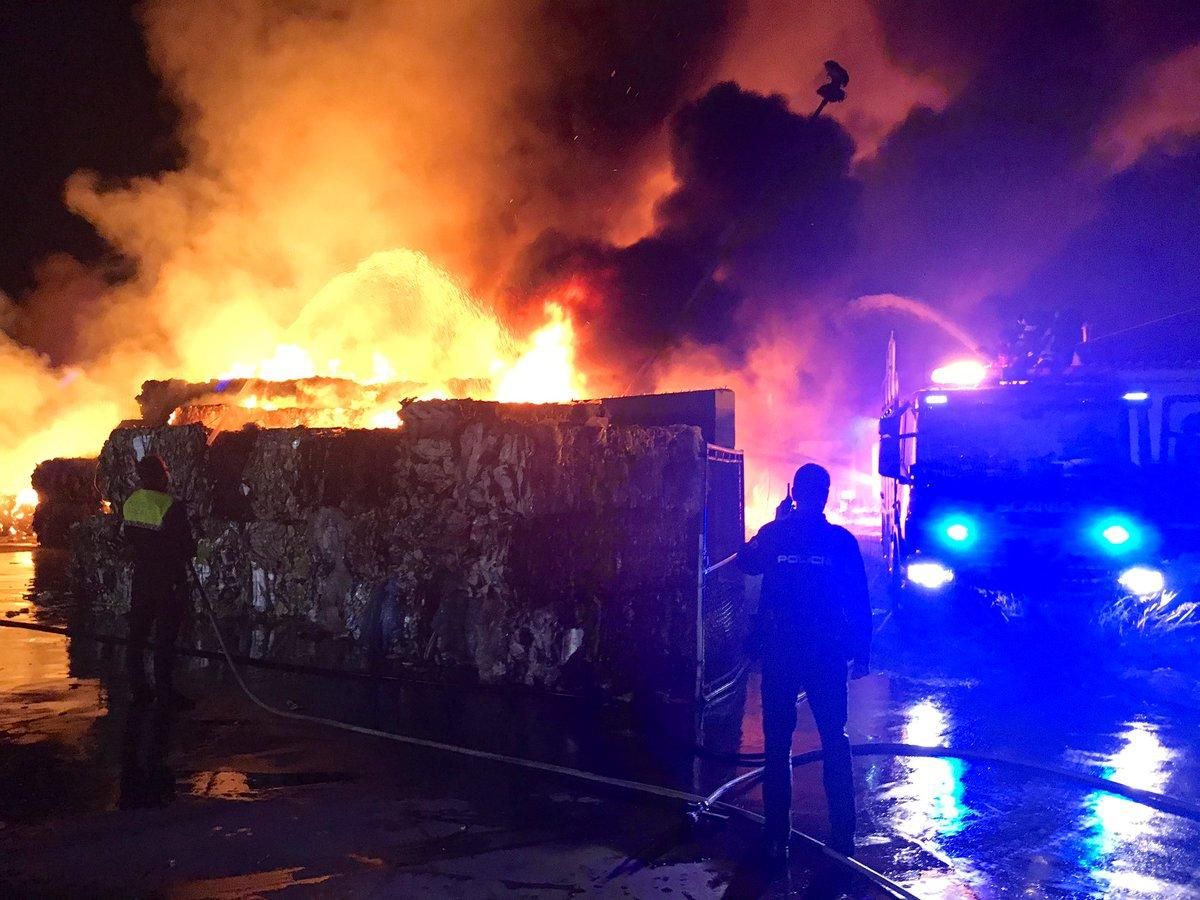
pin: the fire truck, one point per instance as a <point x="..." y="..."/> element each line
<point x="1086" y="481"/>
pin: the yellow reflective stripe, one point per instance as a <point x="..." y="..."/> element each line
<point x="146" y="508"/>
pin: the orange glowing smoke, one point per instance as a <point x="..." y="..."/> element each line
<point x="783" y="421"/>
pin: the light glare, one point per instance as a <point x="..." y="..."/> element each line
<point x="1142" y="581"/>
<point x="960" y="373"/>
<point x="1136" y="396"/>
<point x="958" y="532"/>
<point x="936" y="399"/>
<point x="931" y="575"/>
<point x="1116" y="534"/>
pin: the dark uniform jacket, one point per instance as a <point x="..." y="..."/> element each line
<point x="157" y="532"/>
<point x="814" y="590"/>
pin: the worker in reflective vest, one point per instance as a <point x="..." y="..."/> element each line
<point x="156" y="530"/>
<point x="814" y="615"/>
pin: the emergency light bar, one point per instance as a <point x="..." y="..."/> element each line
<point x="960" y="373"/>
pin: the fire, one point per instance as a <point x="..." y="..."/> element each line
<point x="545" y="372"/>
<point x="438" y="340"/>
<point x="386" y="419"/>
<point x="287" y="362"/>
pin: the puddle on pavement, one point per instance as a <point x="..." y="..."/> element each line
<point x="230" y="785"/>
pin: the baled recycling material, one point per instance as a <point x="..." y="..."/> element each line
<point x="505" y="543"/>
<point x="66" y="494"/>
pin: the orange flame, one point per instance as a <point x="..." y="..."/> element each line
<point x="545" y="372"/>
<point x="437" y="337"/>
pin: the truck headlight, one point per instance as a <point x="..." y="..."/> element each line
<point x="929" y="574"/>
<point x="1142" y="581"/>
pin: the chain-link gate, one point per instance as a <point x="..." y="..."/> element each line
<point x="721" y="625"/>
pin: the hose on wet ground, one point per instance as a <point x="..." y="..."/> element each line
<point x="1161" y="802"/>
<point x="1153" y="799"/>
<point x="878" y="879"/>
<point x="747" y="780"/>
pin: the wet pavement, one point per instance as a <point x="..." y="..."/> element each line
<point x="97" y="798"/>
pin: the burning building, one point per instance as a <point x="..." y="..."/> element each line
<point x="554" y="545"/>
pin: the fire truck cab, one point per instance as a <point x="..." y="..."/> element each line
<point x="1055" y="485"/>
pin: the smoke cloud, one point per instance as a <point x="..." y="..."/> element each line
<point x="1160" y="110"/>
<point x="329" y="149"/>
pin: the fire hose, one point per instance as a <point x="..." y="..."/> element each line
<point x="880" y="880"/>
<point x="747" y="780"/>
<point x="1162" y="802"/>
<point x="702" y="806"/>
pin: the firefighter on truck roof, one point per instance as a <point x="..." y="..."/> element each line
<point x="814" y="616"/>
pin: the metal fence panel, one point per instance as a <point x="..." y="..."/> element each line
<point x="723" y="615"/>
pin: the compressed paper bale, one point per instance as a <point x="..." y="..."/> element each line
<point x="158" y="398"/>
<point x="67" y="479"/>
<point x="323" y="396"/>
<point x="228" y="455"/>
<point x="481" y="536"/>
<point x="492" y="470"/>
<point x="280" y="569"/>
<point x="96" y="566"/>
<point x="289" y="474"/>
<point x="224" y="566"/>
<point x="52" y="520"/>
<point x="333" y="582"/>
<point x="185" y="451"/>
<point x="359" y="469"/>
<point x="284" y="474"/>
<point x="67" y="493"/>
<point x="626" y="579"/>
<point x="576" y="467"/>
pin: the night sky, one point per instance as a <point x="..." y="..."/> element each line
<point x="77" y="94"/>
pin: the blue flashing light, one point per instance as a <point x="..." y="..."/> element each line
<point x="1142" y="581"/>
<point x="958" y="532"/>
<point x="936" y="399"/>
<point x="1117" y="535"/>
<point x="1136" y="396"/>
<point x="928" y="574"/>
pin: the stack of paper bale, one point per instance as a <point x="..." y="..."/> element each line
<point x="66" y="494"/>
<point x="517" y="543"/>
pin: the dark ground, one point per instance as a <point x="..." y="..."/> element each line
<point x="227" y="801"/>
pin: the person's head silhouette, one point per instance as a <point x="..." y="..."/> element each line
<point x="153" y="473"/>
<point x="810" y="488"/>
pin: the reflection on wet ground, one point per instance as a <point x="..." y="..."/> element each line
<point x="1000" y="828"/>
<point x="282" y="805"/>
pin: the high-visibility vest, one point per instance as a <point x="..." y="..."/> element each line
<point x="146" y="508"/>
